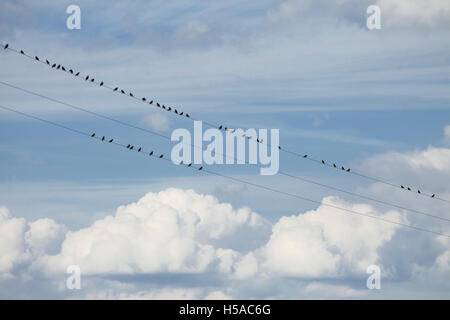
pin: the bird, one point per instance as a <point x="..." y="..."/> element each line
<point x="348" y="170"/>
<point x="77" y="74"/>
<point x="92" y="80"/>
<point x="63" y="69"/>
<point x="257" y="140"/>
<point x="169" y="108"/>
<point x="402" y="187"/>
<point x="151" y="153"/>
<point x="334" y="165"/>
<point x="101" y="83"/>
<point x="116" y="88"/>
<point x="87" y="78"/>
<point x="343" y="168"/>
<point x="139" y="150"/>
<point x="58" y="67"/>
<point x="433" y="195"/>
<point x="190" y="164"/>
<point x="36" y="57"/>
<point x="176" y="111"/>
<point x="122" y="91"/>
<point x="128" y="146"/>
<point x="161" y="156"/>
<point x="131" y="148"/>
<point x="53" y="65"/>
<point x="71" y="71"/>
<point x="323" y="162"/>
<point x="187" y="115"/>
<point x="158" y="104"/>
<point x="151" y="102"/>
<point x="21" y="51"/>
<point x="131" y="95"/>
<point x="409" y="188"/>
<point x="103" y="138"/>
<point x="200" y="168"/>
<point x="111" y="140"/>
<point x="305" y="156"/>
<point x="6" y="46"/>
<point x="164" y="107"/>
<point x="418" y="191"/>
<point x="181" y="113"/>
<point x="47" y="62"/>
<point x="143" y="99"/>
<point x="93" y="135"/>
<point x="279" y="148"/>
<point x="220" y="127"/>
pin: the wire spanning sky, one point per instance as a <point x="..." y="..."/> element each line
<point x="375" y="101"/>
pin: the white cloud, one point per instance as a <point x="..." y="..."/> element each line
<point x="158" y="121"/>
<point x="324" y="290"/>
<point x="169" y="231"/>
<point x="327" y="242"/>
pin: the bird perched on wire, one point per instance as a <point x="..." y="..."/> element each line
<point x="103" y="138"/>
<point x="87" y="78"/>
<point x="139" y="150"/>
<point x="62" y="68"/>
<point x="323" y="162"/>
<point x="6" y="46"/>
<point x="101" y="83"/>
<point x="128" y="146"/>
<point x="151" y="102"/>
<point x="433" y="195"/>
<point x="36" y="57"/>
<point x="305" y="156"/>
<point x="161" y="156"/>
<point x="200" y="168"/>
<point x="151" y="153"/>
<point x="53" y="65"/>
<point x="21" y="51"/>
<point x="47" y="62"/>
<point x="187" y="115"/>
<point x="111" y="140"/>
<point x="93" y="135"/>
<point x="92" y="80"/>
<point x="122" y="91"/>
<point x="77" y="74"/>
<point x="116" y="88"/>
<point x="131" y="95"/>
<point x="71" y="71"/>
<point x="348" y="170"/>
<point x="143" y="99"/>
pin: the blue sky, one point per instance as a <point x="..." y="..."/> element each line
<point x="337" y="91"/>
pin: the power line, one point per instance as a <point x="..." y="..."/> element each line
<point x="304" y="156"/>
<point x="296" y="177"/>
<point x="161" y="156"/>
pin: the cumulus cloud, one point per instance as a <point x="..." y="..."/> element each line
<point x="327" y="242"/>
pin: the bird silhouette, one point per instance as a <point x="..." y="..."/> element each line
<point x="87" y="78"/>
<point x="116" y="88"/>
<point x="47" y="62"/>
<point x="131" y="148"/>
<point x="63" y="69"/>
<point x="343" y="169"/>
<point x="21" y="51"/>
<point x="151" y="102"/>
<point x="418" y="191"/>
<point x="77" y="74"/>
<point x="433" y="195"/>
<point x="6" y="46"/>
<point x="151" y="153"/>
<point x="181" y="113"/>
<point x="402" y="187"/>
<point x="36" y="57"/>
<point x="158" y="104"/>
<point x="122" y="91"/>
<point x="71" y="71"/>
<point x="101" y="83"/>
<point x="334" y="165"/>
<point x="103" y="138"/>
<point x="128" y="146"/>
<point x="111" y="140"/>
<point x="200" y="168"/>
<point x="176" y="111"/>
<point x="220" y="127"/>
<point x="279" y="147"/>
<point x="143" y="99"/>
<point x="161" y="156"/>
<point x="190" y="164"/>
<point x="305" y="156"/>
<point x="348" y="170"/>
<point x="53" y="65"/>
<point x="187" y="115"/>
<point x="93" y="135"/>
<point x="58" y="67"/>
<point x="131" y="95"/>
<point x="169" y="108"/>
<point x="409" y="188"/>
<point x="164" y="107"/>
<point x="92" y="80"/>
<point x="139" y="150"/>
<point x="323" y="162"/>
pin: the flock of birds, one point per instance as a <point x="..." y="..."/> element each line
<point x="171" y="109"/>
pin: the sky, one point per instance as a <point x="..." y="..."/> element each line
<point x="376" y="101"/>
